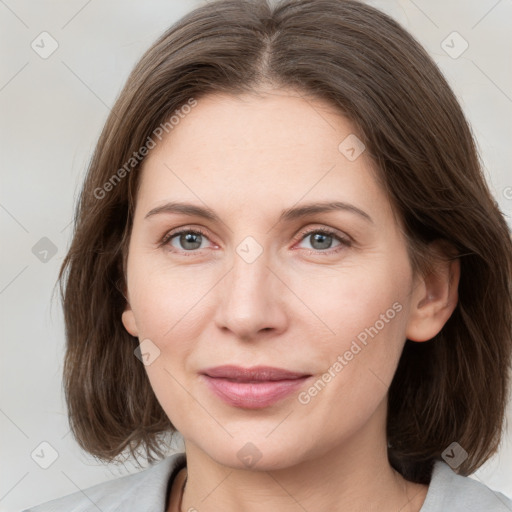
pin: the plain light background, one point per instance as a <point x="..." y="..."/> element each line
<point x="52" y="111"/>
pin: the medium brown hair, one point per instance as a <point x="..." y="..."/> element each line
<point x="451" y="388"/>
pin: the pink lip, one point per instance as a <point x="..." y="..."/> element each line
<point x="252" y="388"/>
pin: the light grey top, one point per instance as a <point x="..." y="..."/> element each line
<point x="147" y="491"/>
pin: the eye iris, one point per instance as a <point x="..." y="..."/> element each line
<point x="321" y="237"/>
<point x="191" y="238"/>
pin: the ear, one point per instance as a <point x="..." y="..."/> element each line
<point x="128" y="319"/>
<point x="435" y="296"/>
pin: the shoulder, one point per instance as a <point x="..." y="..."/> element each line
<point x="142" y="491"/>
<point x="449" y="491"/>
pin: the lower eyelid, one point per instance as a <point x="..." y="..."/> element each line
<point x="331" y="251"/>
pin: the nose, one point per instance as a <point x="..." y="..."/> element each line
<point x="250" y="299"/>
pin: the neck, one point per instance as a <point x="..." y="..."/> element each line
<point x="355" y="475"/>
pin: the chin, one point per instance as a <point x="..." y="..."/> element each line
<point x="257" y="453"/>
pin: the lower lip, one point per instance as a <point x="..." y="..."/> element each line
<point x="253" y="395"/>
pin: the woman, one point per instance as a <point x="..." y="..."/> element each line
<point x="285" y="250"/>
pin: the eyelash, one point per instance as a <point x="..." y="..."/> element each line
<point x="344" y="241"/>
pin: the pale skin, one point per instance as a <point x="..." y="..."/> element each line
<point x="297" y="306"/>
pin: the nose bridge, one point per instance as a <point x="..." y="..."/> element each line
<point x="250" y="294"/>
<point x="248" y="283"/>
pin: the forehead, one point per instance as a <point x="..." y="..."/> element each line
<point x="276" y="123"/>
<point x="259" y="149"/>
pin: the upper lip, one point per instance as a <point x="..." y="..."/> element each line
<point x="254" y="373"/>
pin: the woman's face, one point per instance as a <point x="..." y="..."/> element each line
<point x="262" y="286"/>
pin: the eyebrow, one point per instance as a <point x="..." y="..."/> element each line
<point x="288" y="214"/>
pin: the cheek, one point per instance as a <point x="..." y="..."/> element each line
<point x="353" y="299"/>
<point x="359" y="361"/>
<point x="165" y="297"/>
<point x="167" y="306"/>
<point x="366" y="312"/>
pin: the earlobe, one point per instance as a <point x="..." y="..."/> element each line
<point x="128" y="320"/>
<point x="434" y="298"/>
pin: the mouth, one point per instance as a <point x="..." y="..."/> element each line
<point x="252" y="388"/>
